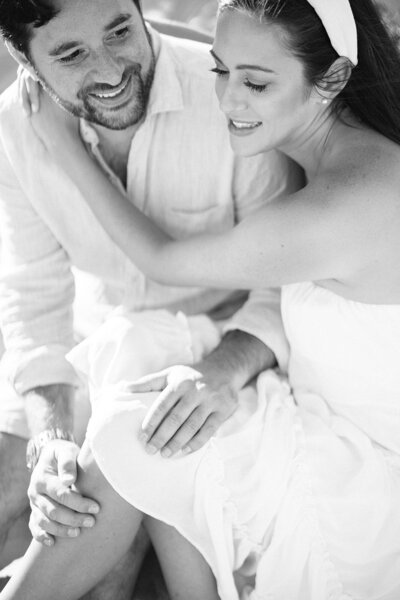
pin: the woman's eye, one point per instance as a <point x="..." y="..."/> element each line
<point x="219" y="72"/>
<point x="256" y="87"/>
<point x="70" y="57"/>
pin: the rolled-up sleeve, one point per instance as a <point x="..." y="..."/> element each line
<point x="257" y="181"/>
<point x="36" y="292"/>
<point x="260" y="316"/>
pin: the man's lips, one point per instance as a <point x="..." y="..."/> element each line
<point x="111" y="93"/>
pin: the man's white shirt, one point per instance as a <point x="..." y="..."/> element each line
<point x="181" y="172"/>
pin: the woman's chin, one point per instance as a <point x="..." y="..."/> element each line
<point x="243" y="147"/>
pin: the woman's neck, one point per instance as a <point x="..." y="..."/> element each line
<point x="315" y="140"/>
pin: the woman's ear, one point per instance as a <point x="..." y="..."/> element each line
<point x="22" y="60"/>
<point x="334" y="81"/>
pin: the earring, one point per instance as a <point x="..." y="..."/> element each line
<point x="324" y="101"/>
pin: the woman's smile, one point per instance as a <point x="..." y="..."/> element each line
<point x="237" y="127"/>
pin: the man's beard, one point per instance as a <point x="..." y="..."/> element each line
<point x="116" y="119"/>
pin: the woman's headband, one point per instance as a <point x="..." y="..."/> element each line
<point x="338" y="20"/>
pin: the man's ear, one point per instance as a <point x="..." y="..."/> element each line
<point x="22" y="60"/>
<point x="334" y="80"/>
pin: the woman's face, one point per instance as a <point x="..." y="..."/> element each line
<point x="260" y="85"/>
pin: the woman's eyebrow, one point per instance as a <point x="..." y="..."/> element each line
<point x="215" y="56"/>
<point x="244" y="66"/>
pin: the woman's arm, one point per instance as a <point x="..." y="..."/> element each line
<point x="311" y="235"/>
<point x="300" y="237"/>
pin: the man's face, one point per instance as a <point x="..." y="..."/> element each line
<point x="95" y="59"/>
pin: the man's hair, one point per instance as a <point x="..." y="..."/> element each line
<point x="18" y="17"/>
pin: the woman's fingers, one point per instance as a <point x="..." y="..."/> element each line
<point x="29" y="92"/>
<point x="33" y="89"/>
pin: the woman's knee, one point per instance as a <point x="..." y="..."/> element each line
<point x="90" y="478"/>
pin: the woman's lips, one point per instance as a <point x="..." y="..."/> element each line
<point x="243" y="127"/>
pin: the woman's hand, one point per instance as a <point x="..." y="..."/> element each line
<point x="29" y="91"/>
<point x="58" y="130"/>
<point x="53" y="125"/>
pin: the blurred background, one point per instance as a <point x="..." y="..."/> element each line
<point x="195" y="13"/>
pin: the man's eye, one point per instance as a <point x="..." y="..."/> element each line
<point x="120" y="34"/>
<point x="69" y="58"/>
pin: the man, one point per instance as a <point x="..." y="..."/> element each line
<point x="150" y="118"/>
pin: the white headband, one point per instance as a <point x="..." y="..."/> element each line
<point x="338" y="20"/>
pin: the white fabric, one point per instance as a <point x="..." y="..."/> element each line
<point x="130" y="345"/>
<point x="298" y="496"/>
<point x="338" y="20"/>
<point x="181" y="172"/>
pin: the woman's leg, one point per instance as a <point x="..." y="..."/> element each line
<point x="185" y="571"/>
<point x="73" y="566"/>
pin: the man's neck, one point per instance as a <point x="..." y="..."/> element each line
<point x="112" y="140"/>
<point x="115" y="147"/>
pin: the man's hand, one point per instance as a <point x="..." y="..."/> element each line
<point x="58" y="510"/>
<point x="195" y="401"/>
<point x="192" y="405"/>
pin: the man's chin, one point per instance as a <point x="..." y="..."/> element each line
<point x="110" y="119"/>
<point x="114" y="122"/>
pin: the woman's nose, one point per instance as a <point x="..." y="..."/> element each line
<point x="232" y="99"/>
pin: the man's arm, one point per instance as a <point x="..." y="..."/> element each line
<point x="57" y="510"/>
<point x="36" y="294"/>
<point x="195" y="401"/>
<point x="50" y="407"/>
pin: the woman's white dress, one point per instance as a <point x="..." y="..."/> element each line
<point x="298" y="496"/>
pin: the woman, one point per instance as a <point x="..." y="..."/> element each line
<point x="296" y="497"/>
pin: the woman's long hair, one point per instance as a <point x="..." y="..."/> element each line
<point x="373" y="89"/>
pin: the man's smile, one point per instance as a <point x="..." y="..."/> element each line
<point x="114" y="97"/>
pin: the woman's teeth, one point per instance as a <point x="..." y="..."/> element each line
<point x="245" y="124"/>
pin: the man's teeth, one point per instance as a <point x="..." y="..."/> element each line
<point x="246" y="125"/>
<point x="112" y="94"/>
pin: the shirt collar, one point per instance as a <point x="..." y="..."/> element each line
<point x="166" y="91"/>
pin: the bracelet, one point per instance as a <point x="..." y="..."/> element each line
<point x="37" y="443"/>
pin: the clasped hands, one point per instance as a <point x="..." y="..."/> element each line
<point x="192" y="404"/>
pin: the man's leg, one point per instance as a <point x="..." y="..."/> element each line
<point x="14" y="479"/>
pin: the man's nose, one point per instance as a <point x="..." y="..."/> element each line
<point x="107" y="68"/>
<point x="232" y="99"/>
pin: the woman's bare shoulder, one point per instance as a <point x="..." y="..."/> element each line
<point x="368" y="162"/>
<point x="360" y="187"/>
